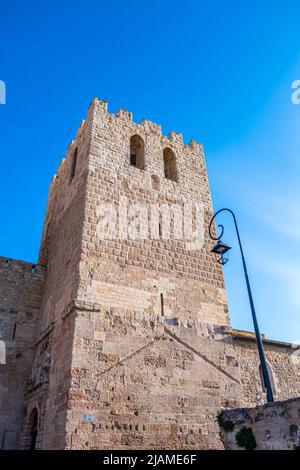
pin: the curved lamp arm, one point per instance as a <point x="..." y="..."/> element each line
<point x="220" y="226"/>
<point x="262" y="356"/>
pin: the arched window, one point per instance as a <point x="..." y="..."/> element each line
<point x="73" y="165"/>
<point x="31" y="430"/>
<point x="170" y="164"/>
<point x="271" y="379"/>
<point x="137" y="157"/>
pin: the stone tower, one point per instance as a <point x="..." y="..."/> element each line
<point x="121" y="302"/>
<point x="132" y="346"/>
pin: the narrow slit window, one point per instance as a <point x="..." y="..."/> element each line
<point x="162" y="304"/>
<point x="73" y="165"/>
<point x="14" y="332"/>
<point x="159" y="229"/>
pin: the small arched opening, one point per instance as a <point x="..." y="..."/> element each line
<point x="170" y="164"/>
<point x="31" y="431"/>
<point x="137" y="152"/>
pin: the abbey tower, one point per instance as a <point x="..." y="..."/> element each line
<point x="117" y="340"/>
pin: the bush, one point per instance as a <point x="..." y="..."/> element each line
<point x="245" y="438"/>
<point x="226" y="425"/>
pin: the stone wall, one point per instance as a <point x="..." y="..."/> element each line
<point x="148" y="363"/>
<point x="132" y="346"/>
<point x="60" y="251"/>
<point x="134" y="273"/>
<point x="283" y="369"/>
<point x="146" y="384"/>
<point x="21" y="287"/>
<point x="143" y="287"/>
<point x="274" y="426"/>
<point x="160" y="385"/>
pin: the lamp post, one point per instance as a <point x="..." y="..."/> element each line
<point x="221" y="248"/>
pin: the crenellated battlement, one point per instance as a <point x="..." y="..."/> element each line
<point x="125" y="115"/>
<point x="80" y="129"/>
<point x="20" y="266"/>
<point x="148" y="126"/>
<point x="122" y="120"/>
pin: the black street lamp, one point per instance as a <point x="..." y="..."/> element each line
<point x="220" y="248"/>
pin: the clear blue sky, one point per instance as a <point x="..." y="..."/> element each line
<point x="219" y="72"/>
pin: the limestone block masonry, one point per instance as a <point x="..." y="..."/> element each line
<point x="117" y="341"/>
<point x="274" y="426"/>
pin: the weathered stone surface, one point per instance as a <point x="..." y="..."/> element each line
<point x="275" y="426"/>
<point x="133" y="333"/>
<point x="21" y="287"/>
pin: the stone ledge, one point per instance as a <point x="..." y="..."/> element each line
<point x="80" y="305"/>
<point x="250" y="336"/>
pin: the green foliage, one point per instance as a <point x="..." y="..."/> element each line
<point x="245" y="438"/>
<point x="226" y="425"/>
